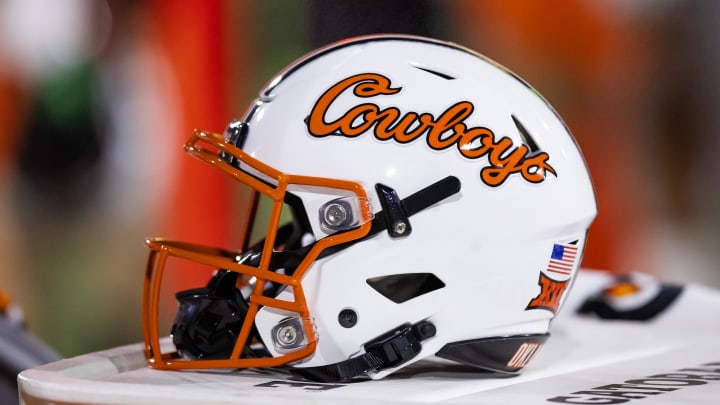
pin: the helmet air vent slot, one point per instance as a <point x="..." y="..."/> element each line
<point x="433" y="72"/>
<point x="525" y="136"/>
<point x="403" y="287"/>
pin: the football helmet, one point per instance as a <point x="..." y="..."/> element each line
<point x="411" y="199"/>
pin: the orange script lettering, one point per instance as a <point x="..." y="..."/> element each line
<point x="441" y="132"/>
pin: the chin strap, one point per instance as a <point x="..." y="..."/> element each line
<point x="386" y="351"/>
<point x="396" y="212"/>
<point x="408" y="206"/>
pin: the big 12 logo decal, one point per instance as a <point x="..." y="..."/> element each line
<point x="551" y="292"/>
<point x="441" y="132"/>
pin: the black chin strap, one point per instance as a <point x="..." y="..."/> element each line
<point x="411" y="205"/>
<point x="387" y="351"/>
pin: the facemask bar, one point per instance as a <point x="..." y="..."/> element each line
<point x="212" y="149"/>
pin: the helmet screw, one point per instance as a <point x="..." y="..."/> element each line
<point x="335" y="214"/>
<point x="287" y="335"/>
<point x="347" y="318"/>
<point x="399" y="227"/>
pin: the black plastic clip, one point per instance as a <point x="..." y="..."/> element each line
<point x="395" y="347"/>
<point x="396" y="218"/>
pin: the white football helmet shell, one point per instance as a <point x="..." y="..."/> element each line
<point x="525" y="192"/>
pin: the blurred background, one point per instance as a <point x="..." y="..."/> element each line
<point x="97" y="98"/>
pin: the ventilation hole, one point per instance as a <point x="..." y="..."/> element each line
<point x="435" y="72"/>
<point x="525" y="135"/>
<point x="403" y="287"/>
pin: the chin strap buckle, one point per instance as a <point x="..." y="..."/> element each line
<point x="386" y="351"/>
<point x="400" y="345"/>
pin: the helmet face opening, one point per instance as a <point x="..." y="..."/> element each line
<point x="408" y="198"/>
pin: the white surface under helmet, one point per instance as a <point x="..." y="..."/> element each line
<point x="423" y="200"/>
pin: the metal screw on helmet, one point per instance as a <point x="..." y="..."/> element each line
<point x="287" y="335"/>
<point x="399" y="227"/>
<point x="335" y="215"/>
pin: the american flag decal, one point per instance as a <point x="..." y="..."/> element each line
<point x="563" y="258"/>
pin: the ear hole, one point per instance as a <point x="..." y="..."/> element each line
<point x="403" y="287"/>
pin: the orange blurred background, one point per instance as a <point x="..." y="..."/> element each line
<point x="97" y="98"/>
